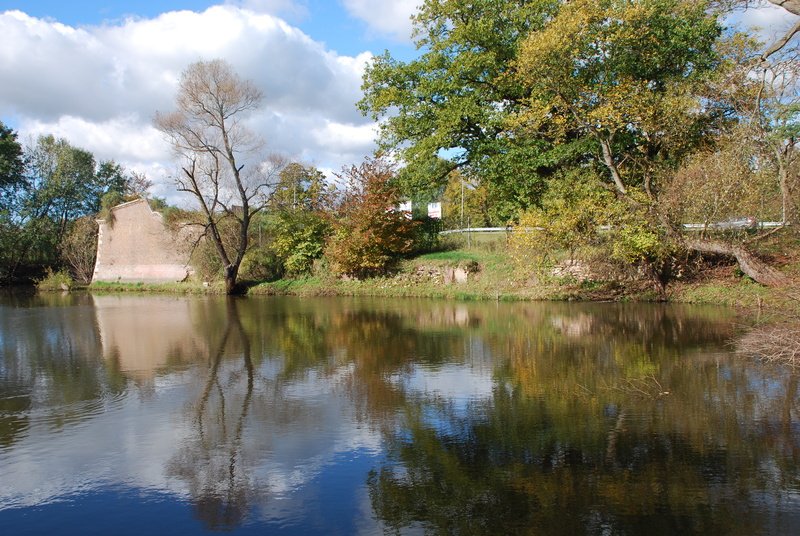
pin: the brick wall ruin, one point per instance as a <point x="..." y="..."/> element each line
<point x="134" y="245"/>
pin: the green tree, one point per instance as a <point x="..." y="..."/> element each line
<point x="300" y="187"/>
<point x="449" y="108"/>
<point x="300" y="220"/>
<point x="62" y="180"/>
<point x="61" y="183"/>
<point x="569" y="217"/>
<point x="628" y="78"/>
<point x="300" y="237"/>
<point x="12" y="164"/>
<point x="12" y="182"/>
<point x="79" y="248"/>
<point x="66" y="182"/>
<point x="626" y="75"/>
<point x="636" y="79"/>
<point x="465" y="202"/>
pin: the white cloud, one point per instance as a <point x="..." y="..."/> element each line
<point x="391" y="18"/>
<point x="99" y="86"/>
<point x="122" y="137"/>
<point x="347" y="138"/>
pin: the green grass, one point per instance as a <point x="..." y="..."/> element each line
<point x="496" y="278"/>
<point x="171" y="288"/>
<point x="742" y="293"/>
<point x="453" y="256"/>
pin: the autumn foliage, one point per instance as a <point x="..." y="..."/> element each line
<point x="370" y="235"/>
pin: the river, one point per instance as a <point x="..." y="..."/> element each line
<point x="132" y="414"/>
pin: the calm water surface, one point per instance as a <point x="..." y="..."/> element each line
<point x="146" y="414"/>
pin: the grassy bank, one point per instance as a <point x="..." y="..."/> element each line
<point x="498" y="277"/>
<point x="490" y="274"/>
<point x="189" y="287"/>
<point x="724" y="284"/>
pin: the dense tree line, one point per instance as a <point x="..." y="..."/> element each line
<point x="633" y="114"/>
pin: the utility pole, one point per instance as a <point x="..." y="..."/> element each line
<point x="462" y="202"/>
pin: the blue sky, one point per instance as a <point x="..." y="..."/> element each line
<point x="327" y="21"/>
<point x="95" y="72"/>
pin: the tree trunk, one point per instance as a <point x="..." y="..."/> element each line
<point x="788" y="205"/>
<point x="608" y="160"/>
<point x="231" y="273"/>
<point x="752" y="266"/>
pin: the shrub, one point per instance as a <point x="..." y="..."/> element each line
<point x="369" y="235"/>
<point x="79" y="248"/>
<point x="300" y="237"/>
<point x="578" y="213"/>
<point x="571" y="213"/>
<point x="261" y="264"/>
<point x="60" y="280"/>
<point x="426" y="235"/>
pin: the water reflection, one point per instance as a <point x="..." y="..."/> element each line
<point x="326" y="416"/>
<point x="144" y="334"/>
<point x="210" y="461"/>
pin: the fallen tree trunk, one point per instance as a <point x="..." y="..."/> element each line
<point x="751" y="265"/>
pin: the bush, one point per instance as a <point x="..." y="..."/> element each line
<point x="79" y="248"/>
<point x="572" y="210"/>
<point x="578" y="214"/>
<point x="300" y="237"/>
<point x="261" y="264"/>
<point x="369" y="235"/>
<point x="205" y="261"/>
<point x="60" y="280"/>
<point x="426" y="235"/>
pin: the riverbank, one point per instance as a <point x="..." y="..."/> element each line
<point x="489" y="273"/>
<point x="494" y="276"/>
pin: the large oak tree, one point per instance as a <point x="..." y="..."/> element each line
<point x="449" y="107"/>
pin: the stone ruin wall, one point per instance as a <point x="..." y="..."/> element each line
<point x="134" y="245"/>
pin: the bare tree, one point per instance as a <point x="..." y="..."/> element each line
<point x="210" y="139"/>
<point x="138" y="184"/>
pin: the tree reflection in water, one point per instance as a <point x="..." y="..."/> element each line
<point x="599" y="419"/>
<point x="583" y="419"/>
<point x="211" y="463"/>
<point x="50" y="363"/>
<point x="607" y="423"/>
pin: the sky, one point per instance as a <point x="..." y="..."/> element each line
<point x="96" y="71"/>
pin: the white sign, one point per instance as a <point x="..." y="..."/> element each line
<point x="406" y="208"/>
<point x="435" y="210"/>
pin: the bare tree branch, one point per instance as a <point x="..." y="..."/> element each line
<point x="782" y="42"/>
<point x="208" y="135"/>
